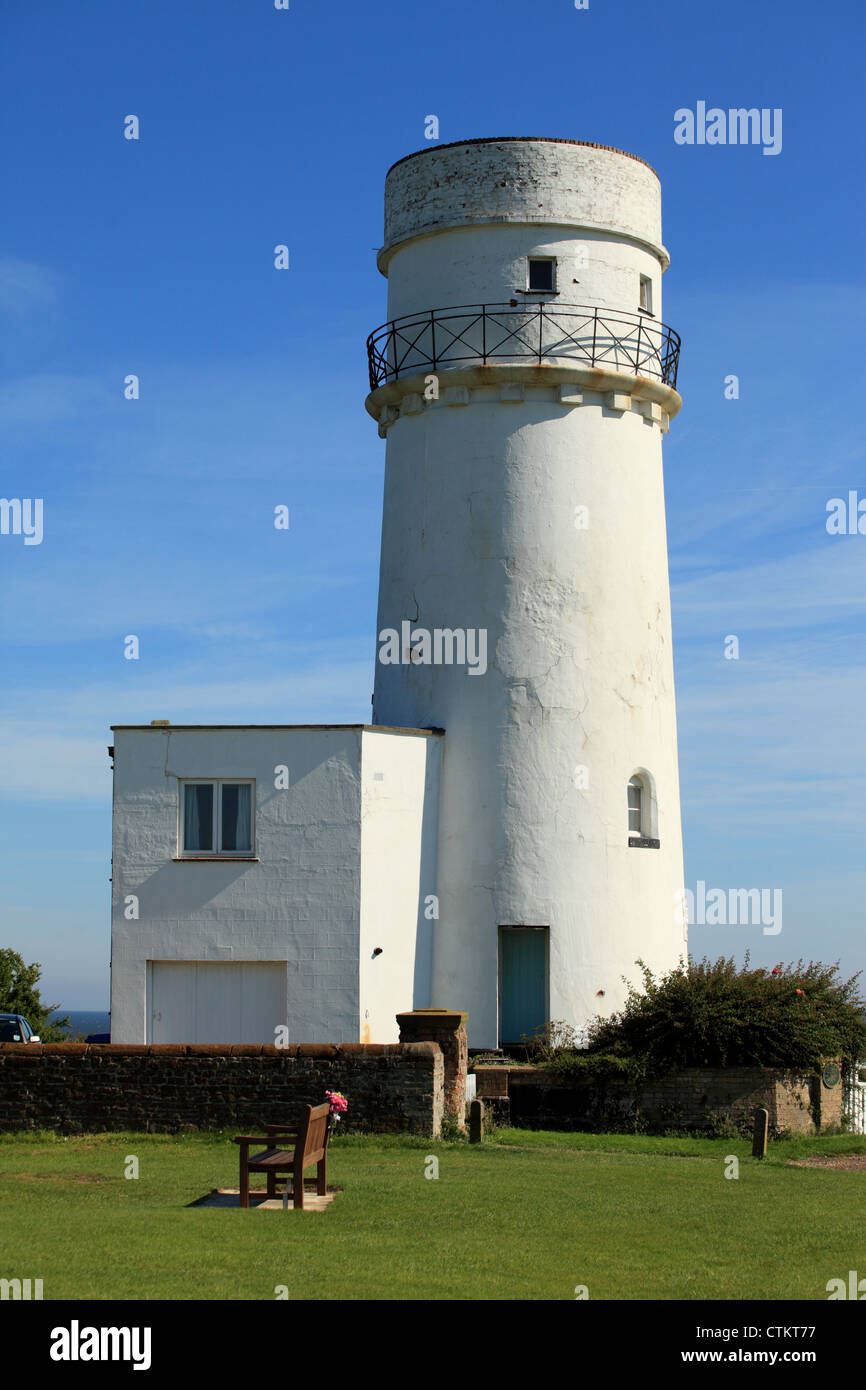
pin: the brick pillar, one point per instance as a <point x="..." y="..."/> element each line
<point x="447" y="1028"/>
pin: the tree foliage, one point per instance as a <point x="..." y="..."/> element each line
<point x="712" y="1014"/>
<point x="19" y="995"/>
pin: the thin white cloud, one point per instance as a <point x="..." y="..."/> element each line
<point x="44" y="757"/>
<point x="26" y="288"/>
<point x="48" y="398"/>
<point x="808" y="588"/>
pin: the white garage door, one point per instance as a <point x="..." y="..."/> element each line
<point x="216" y="1001"/>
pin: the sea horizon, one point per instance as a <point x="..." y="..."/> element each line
<point x="84" y="1021"/>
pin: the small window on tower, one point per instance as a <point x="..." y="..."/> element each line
<point x="541" y="276"/>
<point x="646" y="294"/>
<point x="642" y="811"/>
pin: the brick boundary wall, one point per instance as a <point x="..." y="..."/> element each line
<point x="691" y="1099"/>
<point x="80" y="1087"/>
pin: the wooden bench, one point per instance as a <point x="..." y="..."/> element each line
<point x="309" y="1145"/>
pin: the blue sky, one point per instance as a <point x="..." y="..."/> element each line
<point x="155" y="257"/>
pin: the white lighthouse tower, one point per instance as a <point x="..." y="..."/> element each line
<point x="505" y="837"/>
<point x="524" y="381"/>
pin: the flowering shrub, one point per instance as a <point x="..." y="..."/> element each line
<point x="712" y="1014"/>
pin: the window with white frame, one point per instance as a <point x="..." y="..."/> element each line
<point x="216" y="818"/>
<point x="646" y="294"/>
<point x="635" y="806"/>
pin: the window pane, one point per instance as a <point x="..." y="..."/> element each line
<point x="237" y="821"/>
<point x="635" y="799"/>
<point x="541" y="275"/>
<point x="198" y="816"/>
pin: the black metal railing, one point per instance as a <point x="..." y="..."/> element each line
<point x="470" y="334"/>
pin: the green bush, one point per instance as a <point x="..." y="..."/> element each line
<point x="582" y="1068"/>
<point x="712" y="1014"/>
<point x="19" y="994"/>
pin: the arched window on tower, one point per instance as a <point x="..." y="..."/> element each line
<point x="642" y="811"/>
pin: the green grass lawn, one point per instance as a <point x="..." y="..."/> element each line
<point x="526" y="1215"/>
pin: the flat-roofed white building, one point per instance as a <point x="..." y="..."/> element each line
<point x="271" y="877"/>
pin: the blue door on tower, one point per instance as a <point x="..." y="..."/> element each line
<point x="523" y="956"/>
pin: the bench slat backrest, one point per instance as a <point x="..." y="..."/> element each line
<point x="314" y="1132"/>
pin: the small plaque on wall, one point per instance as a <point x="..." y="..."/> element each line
<point x="830" y="1075"/>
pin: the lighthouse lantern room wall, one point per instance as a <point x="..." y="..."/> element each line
<point x="523" y="382"/>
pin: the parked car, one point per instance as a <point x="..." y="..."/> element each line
<point x="14" y="1028"/>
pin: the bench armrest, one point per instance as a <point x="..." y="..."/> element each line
<point x="265" y="1138"/>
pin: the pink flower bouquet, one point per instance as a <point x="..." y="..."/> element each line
<point x="339" y="1105"/>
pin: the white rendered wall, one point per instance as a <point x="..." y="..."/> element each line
<point x="469" y="265"/>
<point x="399" y="827"/>
<point x="298" y="904"/>
<point x="340" y="856"/>
<point x="478" y="532"/>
